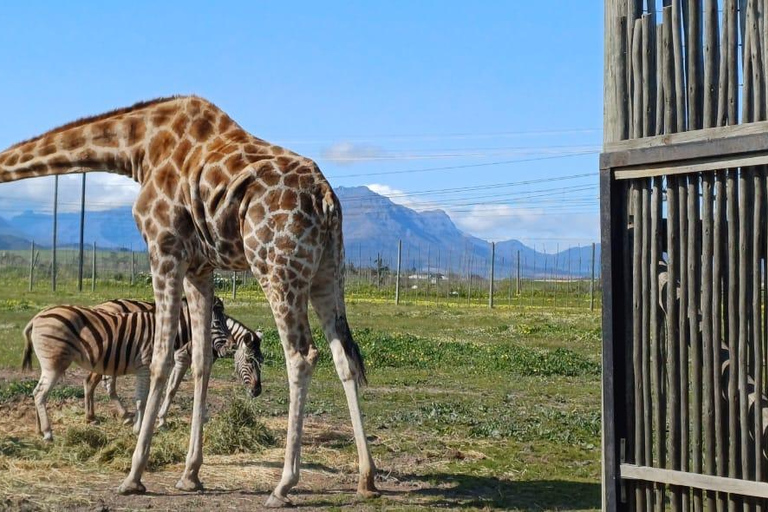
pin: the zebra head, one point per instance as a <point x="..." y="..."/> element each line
<point x="248" y="361"/>
<point x="220" y="335"/>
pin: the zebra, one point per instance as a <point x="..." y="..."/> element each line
<point x="248" y="357"/>
<point x="103" y="342"/>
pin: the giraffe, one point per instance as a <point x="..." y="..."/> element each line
<point x="214" y="196"/>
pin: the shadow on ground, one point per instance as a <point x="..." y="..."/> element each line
<point x="454" y="490"/>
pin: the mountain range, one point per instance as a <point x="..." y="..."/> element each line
<point x="373" y="225"/>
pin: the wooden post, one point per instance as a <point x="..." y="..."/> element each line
<point x="81" y="254"/>
<point x="490" y="286"/>
<point x="592" y="282"/>
<point x="399" y="262"/>
<point x="133" y="267"/>
<point x="55" y="228"/>
<point x="32" y="266"/>
<point x="93" y="269"/>
<point x="518" y="273"/>
<point x="234" y="285"/>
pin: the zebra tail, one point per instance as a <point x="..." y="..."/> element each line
<point x="27" y="362"/>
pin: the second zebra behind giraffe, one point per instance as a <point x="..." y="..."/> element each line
<point x="246" y="342"/>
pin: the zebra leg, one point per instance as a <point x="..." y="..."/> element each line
<point x="110" y="384"/>
<point x="167" y="274"/>
<point x="142" y="390"/>
<point x="47" y="380"/>
<point x="89" y="384"/>
<point x="182" y="361"/>
<point x="199" y="291"/>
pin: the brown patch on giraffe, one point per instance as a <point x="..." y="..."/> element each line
<point x="285" y="244"/>
<point x="238" y="136"/>
<point x="26" y="157"/>
<point x="291" y="181"/>
<point x="183" y="222"/>
<point x="225" y="123"/>
<point x="161" y="115"/>
<point x="235" y="162"/>
<point x="201" y="129"/>
<point x="269" y="176"/>
<point x="265" y="234"/>
<point x="288" y="200"/>
<point x="277" y="150"/>
<point x="167" y="179"/>
<point x="136" y="130"/>
<point x="145" y="199"/>
<point x="150" y="228"/>
<point x="180" y="153"/>
<point x="104" y="134"/>
<point x="46" y="150"/>
<point x="180" y="124"/>
<point x="72" y="139"/>
<point x="306" y="203"/>
<point x="255" y="149"/>
<point x="160" y="211"/>
<point x="12" y="159"/>
<point x="161" y="146"/>
<point x="167" y="242"/>
<point x="167" y="266"/>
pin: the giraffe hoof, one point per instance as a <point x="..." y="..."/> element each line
<point x="48" y="437"/>
<point x="275" y="501"/>
<point x="367" y="494"/>
<point x="131" y="487"/>
<point x="188" y="484"/>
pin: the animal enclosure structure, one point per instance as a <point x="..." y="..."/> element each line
<point x="684" y="181"/>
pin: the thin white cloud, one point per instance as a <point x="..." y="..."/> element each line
<point x="348" y="153"/>
<point x="103" y="191"/>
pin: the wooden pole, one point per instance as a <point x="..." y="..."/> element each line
<point x="399" y="261"/>
<point x="55" y="230"/>
<point x="673" y="332"/>
<point x="493" y="265"/>
<point x="81" y="253"/>
<point x="32" y="266"/>
<point x="93" y="269"/>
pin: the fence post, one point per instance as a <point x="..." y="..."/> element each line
<point x="592" y="282"/>
<point x="55" y="221"/>
<point x="234" y="285"/>
<point x="32" y="266"/>
<point x="93" y="269"/>
<point x="493" y="261"/>
<point x="133" y="267"/>
<point x="82" y="232"/>
<point x="518" y="272"/>
<point x="399" y="260"/>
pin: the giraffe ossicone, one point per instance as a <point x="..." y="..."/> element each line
<point x="214" y="196"/>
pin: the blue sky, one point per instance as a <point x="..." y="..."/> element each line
<point x="498" y="99"/>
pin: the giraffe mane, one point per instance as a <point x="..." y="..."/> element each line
<point x="98" y="117"/>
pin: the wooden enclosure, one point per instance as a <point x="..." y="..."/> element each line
<point x="684" y="181"/>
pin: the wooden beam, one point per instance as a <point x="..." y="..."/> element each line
<point x="684" y="479"/>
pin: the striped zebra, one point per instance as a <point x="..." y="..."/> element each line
<point x="248" y="356"/>
<point x="103" y="342"/>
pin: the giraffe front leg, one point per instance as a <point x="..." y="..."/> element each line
<point x="182" y="361"/>
<point x="142" y="391"/>
<point x="167" y="287"/>
<point x="300" y="358"/>
<point x="199" y="291"/>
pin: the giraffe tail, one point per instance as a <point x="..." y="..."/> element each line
<point x="333" y="218"/>
<point x="27" y="360"/>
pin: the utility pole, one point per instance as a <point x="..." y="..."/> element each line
<point x="82" y="232"/>
<point x="55" y="227"/>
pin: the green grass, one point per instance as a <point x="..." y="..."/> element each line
<point x="501" y="407"/>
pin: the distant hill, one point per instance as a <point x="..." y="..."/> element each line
<point x="373" y="224"/>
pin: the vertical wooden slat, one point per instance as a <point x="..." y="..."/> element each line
<point x="648" y="303"/>
<point x="673" y="330"/>
<point x="670" y="110"/>
<point x="684" y="338"/>
<point x="711" y="56"/>
<point x="732" y="231"/>
<point x="679" y="69"/>
<point x="732" y="57"/>
<point x="757" y="333"/>
<point x="745" y="282"/>
<point x="708" y="414"/>
<point x="694" y="64"/>
<point x="660" y="102"/>
<point x="723" y="73"/>
<point x="637" y="247"/>
<point x="637" y="77"/>
<point x="649" y="68"/>
<point x="694" y="288"/>
<point x="719" y="327"/>
<point x="657" y="349"/>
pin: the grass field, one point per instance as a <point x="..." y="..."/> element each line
<point x="466" y="408"/>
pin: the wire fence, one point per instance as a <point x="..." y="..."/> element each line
<point x="403" y="272"/>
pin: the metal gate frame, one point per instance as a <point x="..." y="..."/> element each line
<point x="693" y="152"/>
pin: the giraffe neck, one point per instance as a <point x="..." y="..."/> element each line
<point x="128" y="141"/>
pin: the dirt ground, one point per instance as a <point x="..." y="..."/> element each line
<point x="233" y="482"/>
